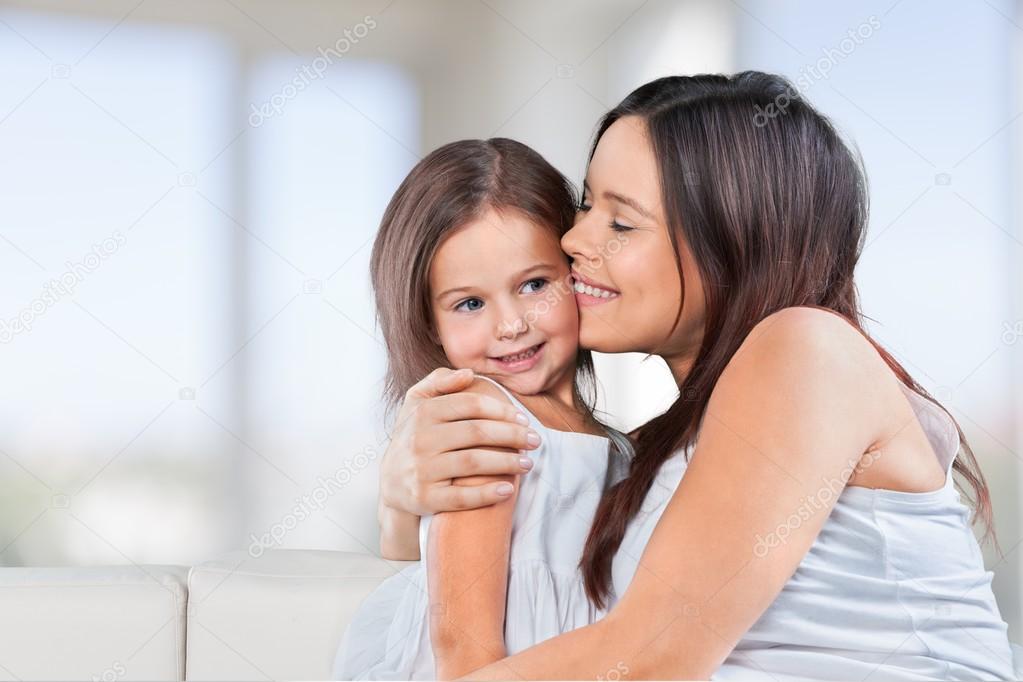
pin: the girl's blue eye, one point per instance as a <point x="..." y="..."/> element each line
<point x="618" y="227"/>
<point x="470" y="308"/>
<point x="540" y="283"/>
<point x="582" y="206"/>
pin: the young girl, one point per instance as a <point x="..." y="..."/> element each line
<point x="469" y="273"/>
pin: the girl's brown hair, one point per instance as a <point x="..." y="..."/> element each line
<point x="773" y="206"/>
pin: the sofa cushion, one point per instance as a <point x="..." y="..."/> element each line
<point x="99" y="622"/>
<point x="279" y="615"/>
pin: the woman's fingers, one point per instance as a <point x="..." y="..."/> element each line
<point x="457" y="497"/>
<point x="459" y="406"/>
<point x="477" y="462"/>
<point x="439" y="382"/>
<point x="476" y="433"/>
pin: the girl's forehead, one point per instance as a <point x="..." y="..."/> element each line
<point x="493" y="248"/>
<point x="500" y="235"/>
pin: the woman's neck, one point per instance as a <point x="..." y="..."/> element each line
<point x="680" y="365"/>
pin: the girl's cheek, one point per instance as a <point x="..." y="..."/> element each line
<point x="464" y="342"/>
<point x="563" y="321"/>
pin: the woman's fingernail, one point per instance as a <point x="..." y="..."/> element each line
<point x="533" y="438"/>
<point x="522" y="419"/>
<point x="525" y="463"/>
<point x="505" y="489"/>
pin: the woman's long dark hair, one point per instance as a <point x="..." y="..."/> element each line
<point x="773" y="206"/>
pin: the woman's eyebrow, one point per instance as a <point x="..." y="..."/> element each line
<point x="622" y="199"/>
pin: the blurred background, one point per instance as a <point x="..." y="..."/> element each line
<point x="189" y="189"/>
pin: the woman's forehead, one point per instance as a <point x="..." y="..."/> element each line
<point x="624" y="164"/>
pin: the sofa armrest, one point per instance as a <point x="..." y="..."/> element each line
<point x="96" y="622"/>
<point x="277" y="616"/>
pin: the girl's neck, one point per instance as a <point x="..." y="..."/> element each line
<point x="557" y="408"/>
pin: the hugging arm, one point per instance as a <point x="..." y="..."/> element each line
<point x="467" y="575"/>
<point x="798" y="404"/>
<point x="444" y="432"/>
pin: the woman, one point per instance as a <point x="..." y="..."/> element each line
<point x="815" y="531"/>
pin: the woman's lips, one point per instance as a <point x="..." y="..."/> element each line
<point x="523" y="361"/>
<point x="589" y="293"/>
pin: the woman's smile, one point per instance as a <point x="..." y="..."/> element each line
<point x="589" y="292"/>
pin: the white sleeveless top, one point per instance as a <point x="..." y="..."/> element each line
<point x="389" y="636"/>
<point x="893" y="588"/>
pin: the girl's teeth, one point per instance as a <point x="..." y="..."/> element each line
<point x="521" y="356"/>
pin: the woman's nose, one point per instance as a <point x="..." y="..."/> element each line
<point x="576" y="243"/>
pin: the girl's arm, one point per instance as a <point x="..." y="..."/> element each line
<point x="790" y="417"/>
<point x="443" y="432"/>
<point x="467" y="573"/>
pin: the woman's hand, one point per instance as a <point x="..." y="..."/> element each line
<point x="440" y="434"/>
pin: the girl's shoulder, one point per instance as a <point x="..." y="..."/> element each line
<point x="483" y="385"/>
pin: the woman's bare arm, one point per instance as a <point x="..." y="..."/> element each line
<point x="399" y="533"/>
<point x="791" y="415"/>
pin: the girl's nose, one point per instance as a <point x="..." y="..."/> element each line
<point x="512" y="324"/>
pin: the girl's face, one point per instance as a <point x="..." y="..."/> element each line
<point x="503" y="304"/>
<point x="621" y="245"/>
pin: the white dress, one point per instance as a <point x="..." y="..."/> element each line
<point x="389" y="636"/>
<point x="893" y="588"/>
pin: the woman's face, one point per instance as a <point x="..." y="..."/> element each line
<point x="620" y="244"/>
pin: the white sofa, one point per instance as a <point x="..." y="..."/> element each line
<point x="279" y="616"/>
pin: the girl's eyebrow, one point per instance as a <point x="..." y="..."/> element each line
<point x="519" y="276"/>
<point x="622" y="199"/>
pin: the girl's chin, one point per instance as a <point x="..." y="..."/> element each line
<point x="528" y="383"/>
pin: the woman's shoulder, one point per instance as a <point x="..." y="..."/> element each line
<point x="825" y="344"/>
<point x="805" y="355"/>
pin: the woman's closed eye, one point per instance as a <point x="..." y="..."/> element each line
<point x="583" y="207"/>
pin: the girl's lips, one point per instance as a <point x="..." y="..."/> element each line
<point x="524" y="364"/>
